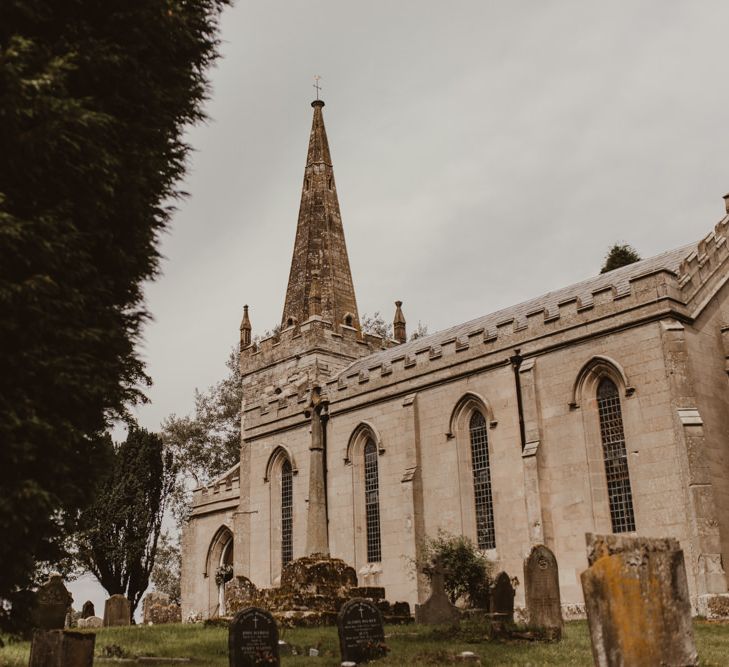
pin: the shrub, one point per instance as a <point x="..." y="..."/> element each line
<point x="466" y="570"/>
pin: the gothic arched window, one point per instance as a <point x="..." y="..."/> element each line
<point x="615" y="456"/>
<point x="485" y="534"/>
<point x="287" y="506"/>
<point x="372" y="502"/>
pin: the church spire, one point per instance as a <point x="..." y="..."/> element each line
<point x="320" y="265"/>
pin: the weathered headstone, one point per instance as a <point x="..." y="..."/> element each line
<point x="161" y="614"/>
<point x="52" y="604"/>
<point x="153" y="598"/>
<point x="437" y="609"/>
<point x="361" y="634"/>
<point x="90" y="622"/>
<point x="62" y="648"/>
<point x="253" y="639"/>
<point x="637" y="602"/>
<point x="541" y="589"/>
<point x="117" y="611"/>
<point x="501" y="600"/>
<point x="88" y="609"/>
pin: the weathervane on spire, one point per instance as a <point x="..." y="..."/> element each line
<point x="316" y="85"/>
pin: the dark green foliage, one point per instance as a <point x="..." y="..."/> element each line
<point x="208" y="443"/>
<point x="621" y="254"/>
<point x="466" y="570"/>
<point x="118" y="534"/>
<point x="94" y="98"/>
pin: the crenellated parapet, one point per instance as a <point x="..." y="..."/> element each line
<point x="633" y="293"/>
<point x="222" y="491"/>
<point x="279" y="372"/>
<point x="698" y="273"/>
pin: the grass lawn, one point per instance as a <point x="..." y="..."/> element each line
<point x="410" y="645"/>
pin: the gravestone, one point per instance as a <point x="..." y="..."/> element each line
<point x="52" y="604"/>
<point x="151" y="599"/>
<point x="90" y="622"/>
<point x="637" y="602"/>
<point x="501" y="600"/>
<point x="437" y="609"/>
<point x="88" y="609"/>
<point x="117" y="611"/>
<point x="62" y="648"/>
<point x="361" y="635"/>
<point x="541" y="588"/>
<point x="253" y="639"/>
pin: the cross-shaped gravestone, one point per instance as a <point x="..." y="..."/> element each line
<point x="437" y="609"/>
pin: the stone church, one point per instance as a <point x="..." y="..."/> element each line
<point x="600" y="407"/>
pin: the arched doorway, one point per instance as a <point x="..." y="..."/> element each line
<point x="219" y="569"/>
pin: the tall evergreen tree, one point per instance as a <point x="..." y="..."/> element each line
<point x="118" y="535"/>
<point x="95" y="96"/>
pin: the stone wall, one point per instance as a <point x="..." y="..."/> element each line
<point x="630" y="324"/>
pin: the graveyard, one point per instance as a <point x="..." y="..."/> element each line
<point x="409" y="645"/>
<point x="636" y="602"/>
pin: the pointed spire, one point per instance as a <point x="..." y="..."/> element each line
<point x="245" y="329"/>
<point x="398" y="324"/>
<point x="320" y="249"/>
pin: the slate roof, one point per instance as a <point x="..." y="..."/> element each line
<point x="618" y="279"/>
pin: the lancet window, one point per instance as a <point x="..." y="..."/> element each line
<point x="485" y="534"/>
<point x="372" y="502"/>
<point x="616" y="458"/>
<point x="287" y="551"/>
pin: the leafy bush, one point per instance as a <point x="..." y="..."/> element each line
<point x="466" y="570"/>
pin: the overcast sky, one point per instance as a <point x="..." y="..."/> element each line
<point x="485" y="152"/>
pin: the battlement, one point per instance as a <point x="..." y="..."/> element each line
<point x="226" y="487"/>
<point x="279" y="372"/>
<point x="314" y="334"/>
<point x="630" y="289"/>
<point x="697" y="271"/>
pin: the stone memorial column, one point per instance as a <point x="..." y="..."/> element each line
<point x="317" y="538"/>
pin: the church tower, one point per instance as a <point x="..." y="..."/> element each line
<point x="285" y="377"/>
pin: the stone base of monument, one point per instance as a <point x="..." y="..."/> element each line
<point x="312" y="591"/>
<point x="713" y="606"/>
<point x="61" y="648"/>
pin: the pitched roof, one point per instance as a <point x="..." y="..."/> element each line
<point x="618" y="280"/>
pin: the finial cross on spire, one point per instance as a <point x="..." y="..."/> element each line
<point x="316" y="85"/>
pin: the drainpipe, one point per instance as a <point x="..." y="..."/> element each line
<point x="516" y="360"/>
